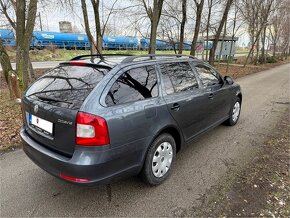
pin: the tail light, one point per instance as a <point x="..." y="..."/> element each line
<point x="91" y="130"/>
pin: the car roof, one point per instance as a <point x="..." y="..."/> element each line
<point x="112" y="60"/>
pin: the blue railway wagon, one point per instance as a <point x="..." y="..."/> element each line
<point x="120" y="42"/>
<point x="160" y="44"/>
<point x="7" y="37"/>
<point x="186" y="46"/>
<point x="60" y="40"/>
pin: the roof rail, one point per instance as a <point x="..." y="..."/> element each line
<point x="96" y="55"/>
<point x="153" y="56"/>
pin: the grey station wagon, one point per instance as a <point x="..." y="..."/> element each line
<point x="97" y="118"/>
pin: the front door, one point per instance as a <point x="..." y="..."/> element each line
<point x="218" y="95"/>
<point x="185" y="101"/>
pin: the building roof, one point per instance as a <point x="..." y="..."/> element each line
<point x="226" y="38"/>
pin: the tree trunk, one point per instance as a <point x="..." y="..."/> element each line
<point x="87" y="27"/>
<point x="233" y="36"/>
<point x="23" y="39"/>
<point x="207" y="26"/>
<point x="199" y="7"/>
<point x="5" y="61"/>
<point x="13" y="85"/>
<point x="153" y="33"/>
<point x="154" y="16"/>
<point x="217" y="36"/>
<point x="99" y="36"/>
<point x="182" y="26"/>
<point x="263" y="55"/>
<point x="222" y="44"/>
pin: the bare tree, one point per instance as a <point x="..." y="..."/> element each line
<point x="284" y="41"/>
<point x="210" y="5"/>
<point x="199" y="8"/>
<point x="182" y="26"/>
<point x="87" y="26"/>
<point x="218" y="33"/>
<point x="276" y="23"/>
<point x="25" y="12"/>
<point x="173" y="23"/>
<point x="153" y="14"/>
<point x="100" y="27"/>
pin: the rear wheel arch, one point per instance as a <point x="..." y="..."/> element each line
<point x="174" y="133"/>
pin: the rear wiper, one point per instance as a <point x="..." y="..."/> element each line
<point x="46" y="98"/>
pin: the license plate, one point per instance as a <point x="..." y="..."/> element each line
<point x="43" y="125"/>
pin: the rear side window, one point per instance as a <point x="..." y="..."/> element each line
<point x="66" y="86"/>
<point x="134" y="85"/>
<point x="207" y="75"/>
<point x="180" y="75"/>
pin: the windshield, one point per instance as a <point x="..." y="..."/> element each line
<point x="66" y="86"/>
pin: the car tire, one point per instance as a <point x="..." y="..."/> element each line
<point x="159" y="160"/>
<point x="234" y="113"/>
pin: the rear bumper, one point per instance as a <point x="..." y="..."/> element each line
<point x="87" y="163"/>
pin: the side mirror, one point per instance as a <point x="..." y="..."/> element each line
<point x="228" y="80"/>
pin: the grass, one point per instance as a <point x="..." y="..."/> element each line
<point x="63" y="54"/>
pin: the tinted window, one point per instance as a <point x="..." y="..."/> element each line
<point x="136" y="84"/>
<point x="66" y="86"/>
<point x="207" y="75"/>
<point x="179" y="75"/>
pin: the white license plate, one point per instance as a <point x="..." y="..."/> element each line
<point x="41" y="123"/>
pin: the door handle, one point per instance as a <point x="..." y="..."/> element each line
<point x="175" y="107"/>
<point x="210" y="96"/>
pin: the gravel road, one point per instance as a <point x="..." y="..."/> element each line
<point x="26" y="190"/>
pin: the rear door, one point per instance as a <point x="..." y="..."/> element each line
<point x="51" y="105"/>
<point x="185" y="101"/>
<point x="219" y="96"/>
<point x="134" y="107"/>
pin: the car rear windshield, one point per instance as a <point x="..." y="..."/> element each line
<point x="66" y="86"/>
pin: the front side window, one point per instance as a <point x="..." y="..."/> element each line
<point x="179" y="75"/>
<point x="133" y="85"/>
<point x="207" y="75"/>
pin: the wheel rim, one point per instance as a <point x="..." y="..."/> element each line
<point x="162" y="159"/>
<point x="236" y="111"/>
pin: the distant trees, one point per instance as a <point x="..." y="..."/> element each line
<point x="279" y="29"/>
<point x="256" y="14"/>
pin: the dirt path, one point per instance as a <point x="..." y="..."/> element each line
<point x="26" y="190"/>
